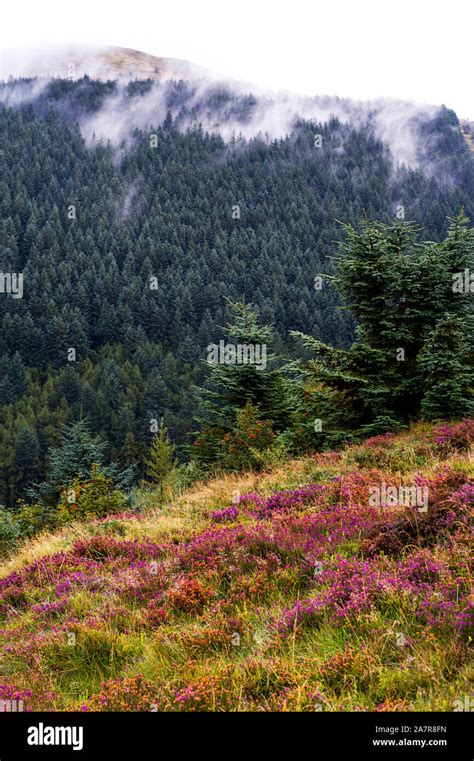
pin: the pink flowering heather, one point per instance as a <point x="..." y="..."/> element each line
<point x="227" y="514"/>
<point x="287" y="600"/>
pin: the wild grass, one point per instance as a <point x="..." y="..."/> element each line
<point x="302" y="599"/>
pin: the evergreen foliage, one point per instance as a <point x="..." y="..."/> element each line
<point x="411" y="355"/>
<point x="137" y="278"/>
<point x="78" y="455"/>
<point x="161" y="464"/>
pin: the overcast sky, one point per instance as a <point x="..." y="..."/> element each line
<point x="413" y="49"/>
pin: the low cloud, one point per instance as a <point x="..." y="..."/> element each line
<point x="227" y="108"/>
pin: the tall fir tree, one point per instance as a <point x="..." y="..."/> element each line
<point x="401" y="293"/>
<point x="242" y="371"/>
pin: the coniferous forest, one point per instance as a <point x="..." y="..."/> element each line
<point x="132" y="256"/>
<point x="236" y="410"/>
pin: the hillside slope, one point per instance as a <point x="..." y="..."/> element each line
<point x="132" y="258"/>
<point x="311" y="587"/>
<point x="103" y="62"/>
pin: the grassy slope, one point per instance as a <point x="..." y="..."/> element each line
<point x="315" y="601"/>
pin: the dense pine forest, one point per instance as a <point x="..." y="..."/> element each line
<point x="136" y="257"/>
<point x="236" y="410"/>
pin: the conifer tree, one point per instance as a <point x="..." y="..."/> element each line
<point x="161" y="465"/>
<point x="234" y="383"/>
<point x="411" y="337"/>
<point x="76" y="455"/>
<point x="26" y="462"/>
<point x="444" y="362"/>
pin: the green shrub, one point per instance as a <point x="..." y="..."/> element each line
<point x="9" y="530"/>
<point x="31" y="519"/>
<point x="244" y="447"/>
<point x="95" y="498"/>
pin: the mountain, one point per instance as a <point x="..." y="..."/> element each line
<point x="134" y="210"/>
<point x="209" y="298"/>
<point x="95" y="62"/>
<point x="220" y="106"/>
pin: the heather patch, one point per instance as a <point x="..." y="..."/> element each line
<point x="307" y="598"/>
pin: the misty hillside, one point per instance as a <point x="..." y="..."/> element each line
<point x="236" y="394"/>
<point x="135" y="209"/>
<point x="97" y="62"/>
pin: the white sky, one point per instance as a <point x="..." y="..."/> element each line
<point x="412" y="49"/>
